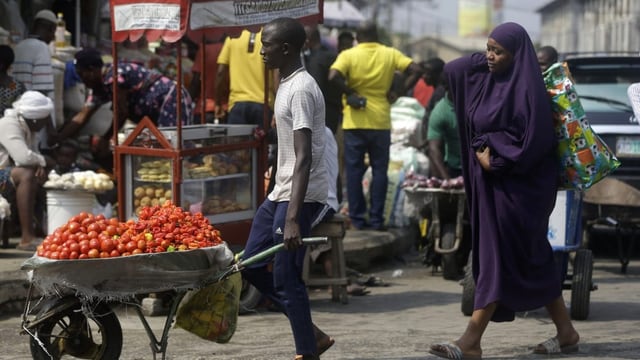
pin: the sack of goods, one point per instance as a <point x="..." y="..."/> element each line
<point x="584" y="158"/>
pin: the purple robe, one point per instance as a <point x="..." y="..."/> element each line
<point x="509" y="205"/>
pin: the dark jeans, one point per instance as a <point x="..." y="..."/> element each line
<point x="357" y="143"/>
<point x="284" y="286"/>
<point x="246" y="112"/>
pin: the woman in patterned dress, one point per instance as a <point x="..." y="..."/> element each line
<point x="10" y="88"/>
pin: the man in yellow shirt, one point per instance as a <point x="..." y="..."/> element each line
<point x="365" y="74"/>
<point x="241" y="74"/>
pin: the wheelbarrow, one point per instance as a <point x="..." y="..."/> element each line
<point x="74" y="317"/>
<point x="446" y="214"/>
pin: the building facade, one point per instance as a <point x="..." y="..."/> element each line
<point x="591" y="25"/>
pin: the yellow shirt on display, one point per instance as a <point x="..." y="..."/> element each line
<point x="368" y="69"/>
<point x="246" y="68"/>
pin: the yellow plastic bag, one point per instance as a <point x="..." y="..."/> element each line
<point x="212" y="312"/>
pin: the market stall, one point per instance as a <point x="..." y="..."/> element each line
<point x="212" y="168"/>
<point x="189" y="165"/>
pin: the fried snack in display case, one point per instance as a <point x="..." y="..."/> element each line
<point x="151" y="182"/>
<point x="220" y="185"/>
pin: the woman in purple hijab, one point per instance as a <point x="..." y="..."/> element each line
<point x="510" y="172"/>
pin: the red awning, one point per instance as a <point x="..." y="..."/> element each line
<point x="171" y="19"/>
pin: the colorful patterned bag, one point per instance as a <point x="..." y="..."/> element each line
<point x="585" y="159"/>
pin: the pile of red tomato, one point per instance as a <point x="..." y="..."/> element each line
<point x="162" y="228"/>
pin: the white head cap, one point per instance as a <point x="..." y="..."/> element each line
<point x="47" y="15"/>
<point x="33" y="105"/>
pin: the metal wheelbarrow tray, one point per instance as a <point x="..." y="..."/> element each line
<point x="612" y="206"/>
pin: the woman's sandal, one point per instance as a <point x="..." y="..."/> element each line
<point x="552" y="347"/>
<point x="451" y="351"/>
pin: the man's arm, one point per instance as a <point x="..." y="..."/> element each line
<point x="413" y="74"/>
<point x="194" y="86"/>
<point x="222" y="87"/>
<point x="353" y="98"/>
<point x="436" y="157"/>
<point x="299" y="184"/>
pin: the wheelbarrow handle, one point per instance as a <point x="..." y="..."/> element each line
<point x="317" y="240"/>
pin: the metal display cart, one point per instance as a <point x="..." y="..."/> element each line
<point x="214" y="170"/>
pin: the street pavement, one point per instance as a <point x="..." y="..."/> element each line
<point x="395" y="322"/>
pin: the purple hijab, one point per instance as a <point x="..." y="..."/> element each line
<point x="509" y="205"/>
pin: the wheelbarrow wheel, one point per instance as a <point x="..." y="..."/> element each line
<point x="581" y="283"/>
<point x="72" y="333"/>
<point x="468" y="289"/>
<point x="450" y="268"/>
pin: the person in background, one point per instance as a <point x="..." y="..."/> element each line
<point x="345" y="41"/>
<point x="65" y="156"/>
<point x="241" y="74"/>
<point x="10" y="88"/>
<point x="633" y="92"/>
<point x="32" y="64"/>
<point x="287" y="213"/>
<point x="433" y="77"/>
<point x="141" y="92"/>
<point x="444" y="140"/>
<point x="422" y="91"/>
<point x="364" y="74"/>
<point x="547" y="56"/>
<point x="317" y="61"/>
<point x="23" y="169"/>
<point x="212" y="51"/>
<point x="510" y="173"/>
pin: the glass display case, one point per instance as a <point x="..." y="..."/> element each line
<point x="206" y="168"/>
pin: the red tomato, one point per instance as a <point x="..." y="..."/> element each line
<point x="93" y="227"/>
<point x="104" y="255"/>
<point x="74" y="227"/>
<point x="94" y="243"/>
<point x="112" y="230"/>
<point x="74" y="255"/>
<point x="54" y="255"/>
<point x="142" y="245"/>
<point x="63" y="255"/>
<point x="114" y="253"/>
<point x="122" y="248"/>
<point x="131" y="245"/>
<point x="83" y="256"/>
<point x="93" y="253"/>
<point x="74" y="246"/>
<point x="84" y="248"/>
<point x="136" y="251"/>
<point x="107" y="245"/>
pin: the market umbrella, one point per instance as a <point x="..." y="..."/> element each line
<point x="341" y="14"/>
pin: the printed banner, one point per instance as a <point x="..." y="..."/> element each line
<point x="232" y="13"/>
<point x="154" y="19"/>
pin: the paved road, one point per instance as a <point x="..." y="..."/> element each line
<point x="398" y="322"/>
